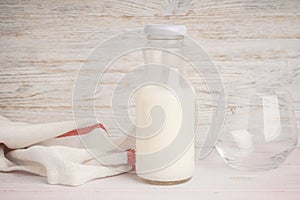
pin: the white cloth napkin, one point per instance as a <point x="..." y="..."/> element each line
<point x="55" y="150"/>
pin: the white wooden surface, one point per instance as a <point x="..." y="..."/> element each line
<point x="43" y="45"/>
<point x="213" y="179"/>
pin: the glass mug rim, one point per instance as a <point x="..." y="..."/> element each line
<point x="257" y="92"/>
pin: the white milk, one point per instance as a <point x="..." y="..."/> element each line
<point x="182" y="168"/>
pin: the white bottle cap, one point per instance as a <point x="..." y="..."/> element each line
<point x="165" y="30"/>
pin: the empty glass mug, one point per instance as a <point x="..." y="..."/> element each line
<point x="259" y="130"/>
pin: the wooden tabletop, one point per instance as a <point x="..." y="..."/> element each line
<point x="213" y="179"/>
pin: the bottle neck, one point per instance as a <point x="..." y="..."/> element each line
<point x="168" y="42"/>
<point x="165" y="37"/>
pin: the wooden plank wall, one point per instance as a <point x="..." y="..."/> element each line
<point x="44" y="43"/>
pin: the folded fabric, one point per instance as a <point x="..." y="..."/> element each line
<point x="57" y="151"/>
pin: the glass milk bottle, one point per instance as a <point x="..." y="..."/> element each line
<point x="166" y="156"/>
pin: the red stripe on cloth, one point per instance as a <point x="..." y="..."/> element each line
<point x="82" y="131"/>
<point x="131" y="157"/>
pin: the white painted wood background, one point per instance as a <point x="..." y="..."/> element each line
<point x="44" y="43"/>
